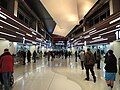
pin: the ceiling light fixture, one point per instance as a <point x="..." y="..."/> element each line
<point x="1" y="26"/>
<point x="29" y="34"/>
<point x="115" y="20"/>
<point x="9" y="24"/>
<point x="20" y="33"/>
<point x="7" y="34"/>
<point x="2" y="16"/>
<point x="34" y="33"/>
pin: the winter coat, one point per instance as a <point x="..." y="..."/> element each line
<point x="6" y="62"/>
<point x="89" y="57"/>
<point x="111" y="63"/>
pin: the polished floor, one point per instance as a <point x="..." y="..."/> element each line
<point x="59" y="74"/>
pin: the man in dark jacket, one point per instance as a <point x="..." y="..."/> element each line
<point x="28" y="56"/>
<point x="34" y="56"/>
<point x="89" y="64"/>
<point x="6" y="63"/>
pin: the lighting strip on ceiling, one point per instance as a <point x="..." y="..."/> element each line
<point x="2" y="16"/>
<point x="20" y="33"/>
<point x="28" y="34"/>
<point x="99" y="31"/>
<point x="9" y="24"/>
<point x="38" y="39"/>
<point x="34" y="33"/>
<point x="115" y="20"/>
<point x="98" y="40"/>
<point x="89" y="31"/>
<point x="1" y="26"/>
<point x="7" y="34"/>
<point x="18" y="22"/>
<point x="109" y="32"/>
<point x="96" y="37"/>
<point x="117" y="26"/>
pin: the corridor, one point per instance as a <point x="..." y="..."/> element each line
<point x="59" y="74"/>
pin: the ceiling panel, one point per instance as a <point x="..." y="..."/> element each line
<point x="67" y="13"/>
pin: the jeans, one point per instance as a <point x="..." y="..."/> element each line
<point x="6" y="80"/>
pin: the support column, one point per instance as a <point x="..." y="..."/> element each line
<point x="111" y="6"/>
<point x="15" y="7"/>
<point x="114" y="6"/>
<point x="36" y="26"/>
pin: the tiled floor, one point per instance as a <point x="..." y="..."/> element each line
<point x="59" y="74"/>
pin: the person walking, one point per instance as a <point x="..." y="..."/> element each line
<point x="6" y="62"/>
<point x="89" y="64"/>
<point x="34" y="56"/>
<point x="110" y="68"/>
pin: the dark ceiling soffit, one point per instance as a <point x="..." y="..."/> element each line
<point x="31" y="11"/>
<point x="43" y="14"/>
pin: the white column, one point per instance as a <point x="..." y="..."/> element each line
<point x="111" y="6"/>
<point x="15" y="7"/>
<point x="36" y="26"/>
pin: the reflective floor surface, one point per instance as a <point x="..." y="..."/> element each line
<point x="59" y="74"/>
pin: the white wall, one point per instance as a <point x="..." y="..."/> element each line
<point x="3" y="44"/>
<point x="115" y="46"/>
<point x="6" y="44"/>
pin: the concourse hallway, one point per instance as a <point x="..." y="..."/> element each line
<point x="59" y="74"/>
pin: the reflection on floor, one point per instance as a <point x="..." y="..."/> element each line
<point x="59" y="74"/>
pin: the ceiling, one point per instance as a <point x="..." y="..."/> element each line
<point x="67" y="13"/>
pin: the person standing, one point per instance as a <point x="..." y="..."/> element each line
<point x="34" y="56"/>
<point x="98" y="59"/>
<point x="89" y="64"/>
<point x="76" y="56"/>
<point x="7" y="62"/>
<point x="110" y="68"/>
<point x="28" y="56"/>
<point x="82" y="58"/>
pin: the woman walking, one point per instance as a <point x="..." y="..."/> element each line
<point x="110" y="68"/>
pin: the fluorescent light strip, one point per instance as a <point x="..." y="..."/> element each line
<point x="29" y="34"/>
<point x="98" y="40"/>
<point x="92" y="32"/>
<point x="87" y="36"/>
<point x="99" y="31"/>
<point x="14" y="20"/>
<point x="9" y="24"/>
<point x="38" y="39"/>
<point x="1" y="26"/>
<point x="7" y="34"/>
<point x="34" y="33"/>
<point x="20" y="33"/>
<point x="117" y="26"/>
<point x="2" y="16"/>
<point x="96" y="37"/>
<point x="18" y="22"/>
<point x="89" y="31"/>
<point x="115" y="20"/>
<point x="109" y="32"/>
<point x="28" y="40"/>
